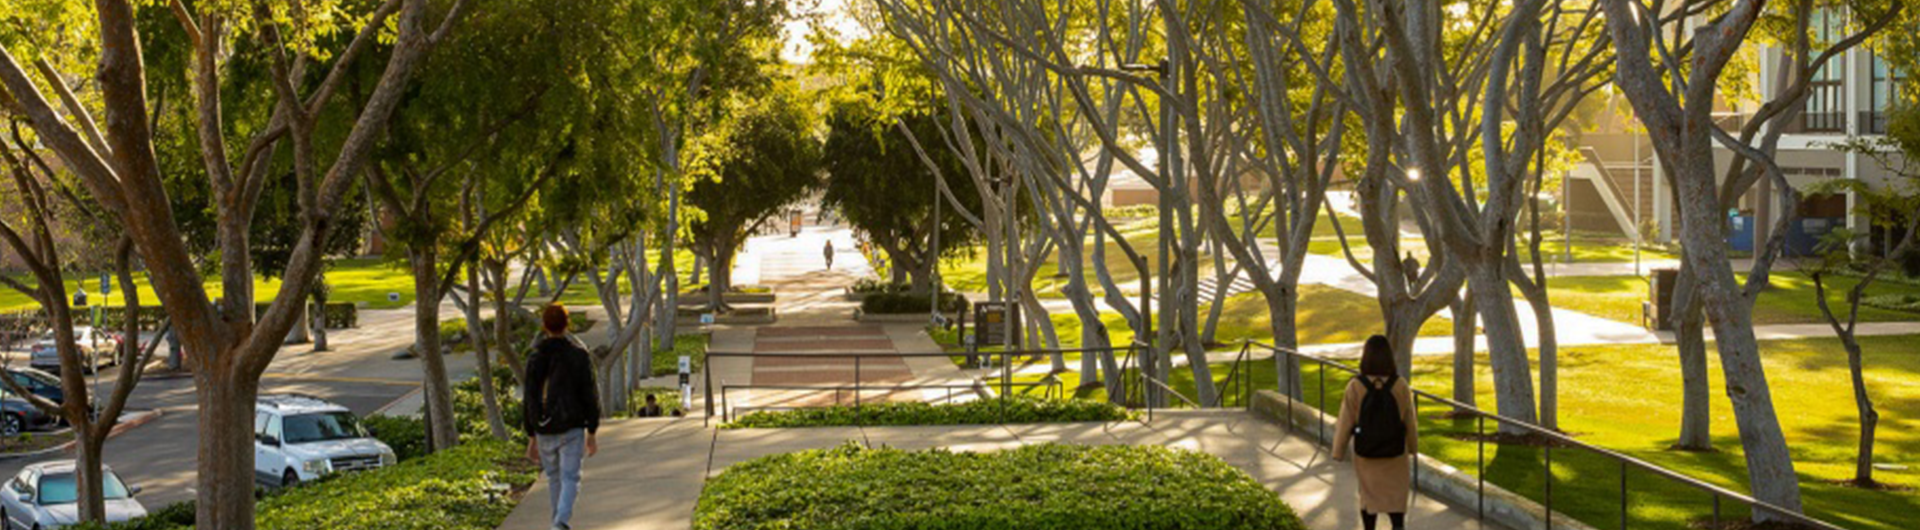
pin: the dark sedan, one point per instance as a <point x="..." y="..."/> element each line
<point x="18" y="416"/>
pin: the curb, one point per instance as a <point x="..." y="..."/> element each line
<point x="135" y="421"/>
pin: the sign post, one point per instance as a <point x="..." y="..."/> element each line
<point x="686" y="383"/>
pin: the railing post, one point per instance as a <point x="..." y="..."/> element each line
<point x="859" y="414"/>
<point x="1549" y="484"/>
<point x="1290" y="392"/>
<point x="1716" y="510"/>
<point x="1481" y="474"/>
<point x="706" y="373"/>
<point x="1317" y="420"/>
<point x="1623" y="495"/>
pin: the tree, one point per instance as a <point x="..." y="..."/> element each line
<point x="115" y="161"/>
<point x="1895" y="208"/>
<point x="879" y="184"/>
<point x="1669" y="64"/>
<point x="761" y="159"/>
<point x="46" y="198"/>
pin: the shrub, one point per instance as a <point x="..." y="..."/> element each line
<point x="1016" y="409"/>
<point x="464" y="488"/>
<point x="461" y="488"/>
<point x="1047" y="486"/>
<point x="898" y="303"/>
<point x="407" y="436"/>
<point x="341" y="315"/>
<point x="692" y="346"/>
<point x="176" y="516"/>
<point x="871" y="285"/>
<point x="1894" y="302"/>
<point x="470" y="412"/>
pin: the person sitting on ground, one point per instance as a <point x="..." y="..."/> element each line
<point x="1378" y="424"/>
<point x="649" y="410"/>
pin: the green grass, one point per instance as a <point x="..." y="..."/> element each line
<point x="353" y="280"/>
<point x="582" y="292"/>
<point x="1788" y="299"/>
<point x="1626" y="398"/>
<point x="1018" y="409"/>
<point x="1052" y="486"/>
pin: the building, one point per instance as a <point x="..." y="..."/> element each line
<point x="1617" y="186"/>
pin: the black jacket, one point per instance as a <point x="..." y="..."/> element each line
<point x="559" y="392"/>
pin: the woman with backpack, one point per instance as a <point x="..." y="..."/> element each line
<point x="1377" y="423"/>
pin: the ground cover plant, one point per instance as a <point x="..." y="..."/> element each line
<point x="1047" y="486"/>
<point x="1016" y="409"/>
<point x="1788" y="299"/>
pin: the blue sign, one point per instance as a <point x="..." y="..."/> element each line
<point x="106" y="283"/>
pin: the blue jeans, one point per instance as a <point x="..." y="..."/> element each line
<point x="560" y="456"/>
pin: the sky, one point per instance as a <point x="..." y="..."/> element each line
<point x="833" y="15"/>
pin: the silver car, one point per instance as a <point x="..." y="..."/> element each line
<point x="96" y="347"/>
<point x="45" y="495"/>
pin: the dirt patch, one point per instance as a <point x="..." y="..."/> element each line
<point x="32" y="442"/>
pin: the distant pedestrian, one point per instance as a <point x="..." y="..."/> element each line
<point x="651" y="409"/>
<point x="1378" y="424"/>
<point x="829" y="254"/>
<point x="562" y="411"/>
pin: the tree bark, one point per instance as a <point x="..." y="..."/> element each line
<point x="436" y="390"/>
<point x="226" y="474"/>
<point x="1696" y="406"/>
<point x="1465" y="322"/>
<point x="483" y="358"/>
<point x="1512" y="373"/>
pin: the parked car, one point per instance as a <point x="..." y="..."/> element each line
<point x="18" y="415"/>
<point x="45" y="496"/>
<point x="38" y="383"/>
<point x="95" y="345"/>
<point x="298" y="438"/>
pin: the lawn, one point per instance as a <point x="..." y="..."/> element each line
<point x="582" y="292"/>
<point x="1625" y="398"/>
<point x="1325" y="316"/>
<point x="1788" y="299"/>
<point x="968" y="274"/>
<point x="352" y="280"/>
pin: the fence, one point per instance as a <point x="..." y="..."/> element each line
<point x="1139" y="391"/>
<point x="1547" y="442"/>
<point x="1005" y="382"/>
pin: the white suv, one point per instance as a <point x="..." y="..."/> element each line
<point x="298" y="438"/>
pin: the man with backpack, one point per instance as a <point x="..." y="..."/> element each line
<point x="1378" y="425"/>
<point x="562" y="411"/>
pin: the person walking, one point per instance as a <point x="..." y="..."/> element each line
<point x="828" y="252"/>
<point x="1378" y="425"/>
<point x="562" y="411"/>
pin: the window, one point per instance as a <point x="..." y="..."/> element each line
<point x="322" y="427"/>
<point x="60" y="489"/>
<point x="1885" y="91"/>
<point x="273" y="428"/>
<point x="1826" y="100"/>
<point x="260" y="423"/>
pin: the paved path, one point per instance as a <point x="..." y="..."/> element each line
<point x="650" y="471"/>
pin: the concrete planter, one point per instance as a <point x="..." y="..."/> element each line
<point x="1436" y="479"/>
<point x="896" y="318"/>
<point x="700" y="299"/>
<point x="740" y="316"/>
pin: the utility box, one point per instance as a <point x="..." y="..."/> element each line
<point x="1659" y="305"/>
<point x="996" y="322"/>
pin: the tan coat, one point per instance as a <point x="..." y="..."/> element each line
<point x="1384" y="482"/>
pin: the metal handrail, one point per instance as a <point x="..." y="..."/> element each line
<point x="1625" y="460"/>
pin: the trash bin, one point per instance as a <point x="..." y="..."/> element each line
<point x="1660" y="299"/>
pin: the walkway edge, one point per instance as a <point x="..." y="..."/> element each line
<point x="1436" y="479"/>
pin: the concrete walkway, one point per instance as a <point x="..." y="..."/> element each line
<point x="650" y="471"/>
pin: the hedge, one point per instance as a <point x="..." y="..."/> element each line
<point x="464" y="488"/>
<point x="405" y="434"/>
<point x="1016" y="409"/>
<point x="1893" y="302"/>
<point x="470" y="413"/>
<point x="1036" y="487"/>
<point x="901" y="303"/>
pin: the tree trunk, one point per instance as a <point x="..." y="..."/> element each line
<point x="436" y="389"/>
<point x="1286" y="336"/>
<point x="225" y="479"/>
<point x="1506" y="352"/>
<point x="1696" y="406"/>
<point x="302" y="332"/>
<point x="483" y="359"/>
<point x="1465" y="320"/>
<point x="722" y="276"/>
<point x="88" y="473"/>
<point x="1869" y="418"/>
<point x="320" y="317"/>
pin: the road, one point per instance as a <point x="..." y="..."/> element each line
<point x="359" y="373"/>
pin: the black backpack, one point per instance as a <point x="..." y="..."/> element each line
<point x="1379" y="432"/>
